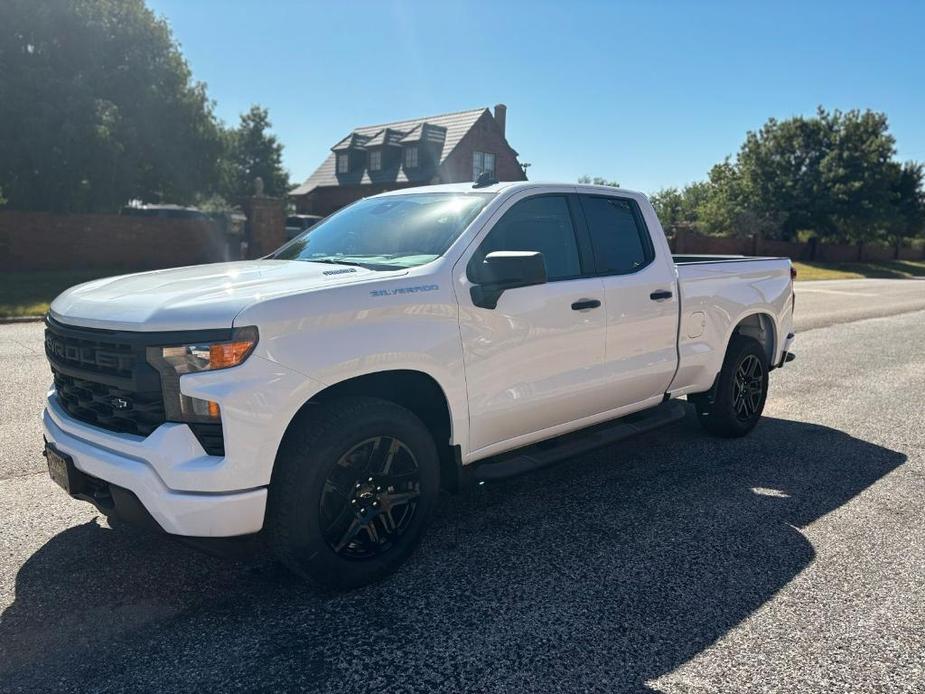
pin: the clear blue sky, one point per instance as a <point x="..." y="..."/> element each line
<point x="648" y="93"/>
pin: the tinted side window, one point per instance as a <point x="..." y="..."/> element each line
<point x="618" y="241"/>
<point x="538" y="224"/>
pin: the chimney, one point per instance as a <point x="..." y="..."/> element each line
<point x="501" y="116"/>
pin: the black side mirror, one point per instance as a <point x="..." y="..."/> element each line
<point x="503" y="270"/>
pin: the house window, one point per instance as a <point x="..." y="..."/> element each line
<point x="411" y="158"/>
<point x="375" y="160"/>
<point x="482" y="162"/>
<point x="343" y="163"/>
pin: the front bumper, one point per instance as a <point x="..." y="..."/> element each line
<point x="132" y="462"/>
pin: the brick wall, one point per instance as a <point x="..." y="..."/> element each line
<point x="266" y="225"/>
<point x="784" y="249"/>
<point x="912" y="252"/>
<point x="685" y="241"/>
<point x="877" y="252"/>
<point x="329" y="199"/>
<point x="47" y="241"/>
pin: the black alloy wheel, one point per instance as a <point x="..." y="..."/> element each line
<point x="735" y="405"/>
<point x="370" y="498"/>
<point x="355" y="484"/>
<point x="748" y="388"/>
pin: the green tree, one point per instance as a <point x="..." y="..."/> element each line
<point x="859" y="175"/>
<point x="98" y="106"/>
<point x="677" y="207"/>
<point x="727" y="206"/>
<point x="252" y="152"/>
<point x="908" y="219"/>
<point x="776" y="172"/>
<point x="669" y="206"/>
<point x="832" y="174"/>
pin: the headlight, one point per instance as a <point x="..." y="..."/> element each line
<point x="175" y="360"/>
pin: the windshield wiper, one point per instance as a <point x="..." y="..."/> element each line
<point x="354" y="263"/>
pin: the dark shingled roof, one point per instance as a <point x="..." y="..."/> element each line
<point x="451" y="127"/>
<point x="352" y="140"/>
<point x="426" y="132"/>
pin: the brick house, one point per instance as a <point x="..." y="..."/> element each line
<point x="450" y="148"/>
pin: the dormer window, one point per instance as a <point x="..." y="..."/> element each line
<point x="343" y="162"/>
<point x="482" y="162"/>
<point x="411" y="157"/>
<point x="375" y="160"/>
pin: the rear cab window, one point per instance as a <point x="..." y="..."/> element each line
<point x="619" y="237"/>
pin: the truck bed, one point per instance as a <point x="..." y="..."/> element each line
<point x="716" y="293"/>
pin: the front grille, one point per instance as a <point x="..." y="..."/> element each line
<point x="110" y="407"/>
<point x="102" y="378"/>
<point x="94" y="353"/>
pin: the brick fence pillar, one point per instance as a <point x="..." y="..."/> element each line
<point x="680" y="238"/>
<point x="266" y="225"/>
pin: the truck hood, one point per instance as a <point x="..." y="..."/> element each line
<point x="194" y="298"/>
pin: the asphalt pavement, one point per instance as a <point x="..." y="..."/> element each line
<point x="792" y="560"/>
<point x="828" y="302"/>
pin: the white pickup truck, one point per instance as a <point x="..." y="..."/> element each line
<point x="414" y="340"/>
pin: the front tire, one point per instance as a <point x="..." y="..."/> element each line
<point x="741" y="391"/>
<point x="355" y="484"/>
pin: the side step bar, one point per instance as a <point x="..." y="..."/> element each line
<point x="548" y="452"/>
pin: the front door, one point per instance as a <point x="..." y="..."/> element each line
<point x="536" y="360"/>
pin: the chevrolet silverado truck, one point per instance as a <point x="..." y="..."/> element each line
<point x="420" y="339"/>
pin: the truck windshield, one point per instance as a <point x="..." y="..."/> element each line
<point x="398" y="231"/>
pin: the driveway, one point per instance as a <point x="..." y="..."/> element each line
<point x="791" y="560"/>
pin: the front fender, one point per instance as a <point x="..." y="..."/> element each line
<point x="335" y="335"/>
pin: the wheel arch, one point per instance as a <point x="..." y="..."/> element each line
<point x="760" y="326"/>
<point x="416" y="391"/>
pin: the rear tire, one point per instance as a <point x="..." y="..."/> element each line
<point x="741" y="391"/>
<point x="354" y="487"/>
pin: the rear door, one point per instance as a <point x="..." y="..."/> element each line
<point x="536" y="360"/>
<point x="640" y="296"/>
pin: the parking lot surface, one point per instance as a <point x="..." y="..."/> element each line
<point x="792" y="560"/>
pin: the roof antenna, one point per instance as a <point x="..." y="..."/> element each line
<point x="486" y="178"/>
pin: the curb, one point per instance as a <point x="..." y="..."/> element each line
<point x="20" y="319"/>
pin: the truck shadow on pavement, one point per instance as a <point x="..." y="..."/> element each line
<point x="605" y="572"/>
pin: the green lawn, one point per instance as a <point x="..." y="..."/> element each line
<point x="890" y="269"/>
<point x="29" y="293"/>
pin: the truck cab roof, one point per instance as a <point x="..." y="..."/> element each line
<point x="511" y="186"/>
